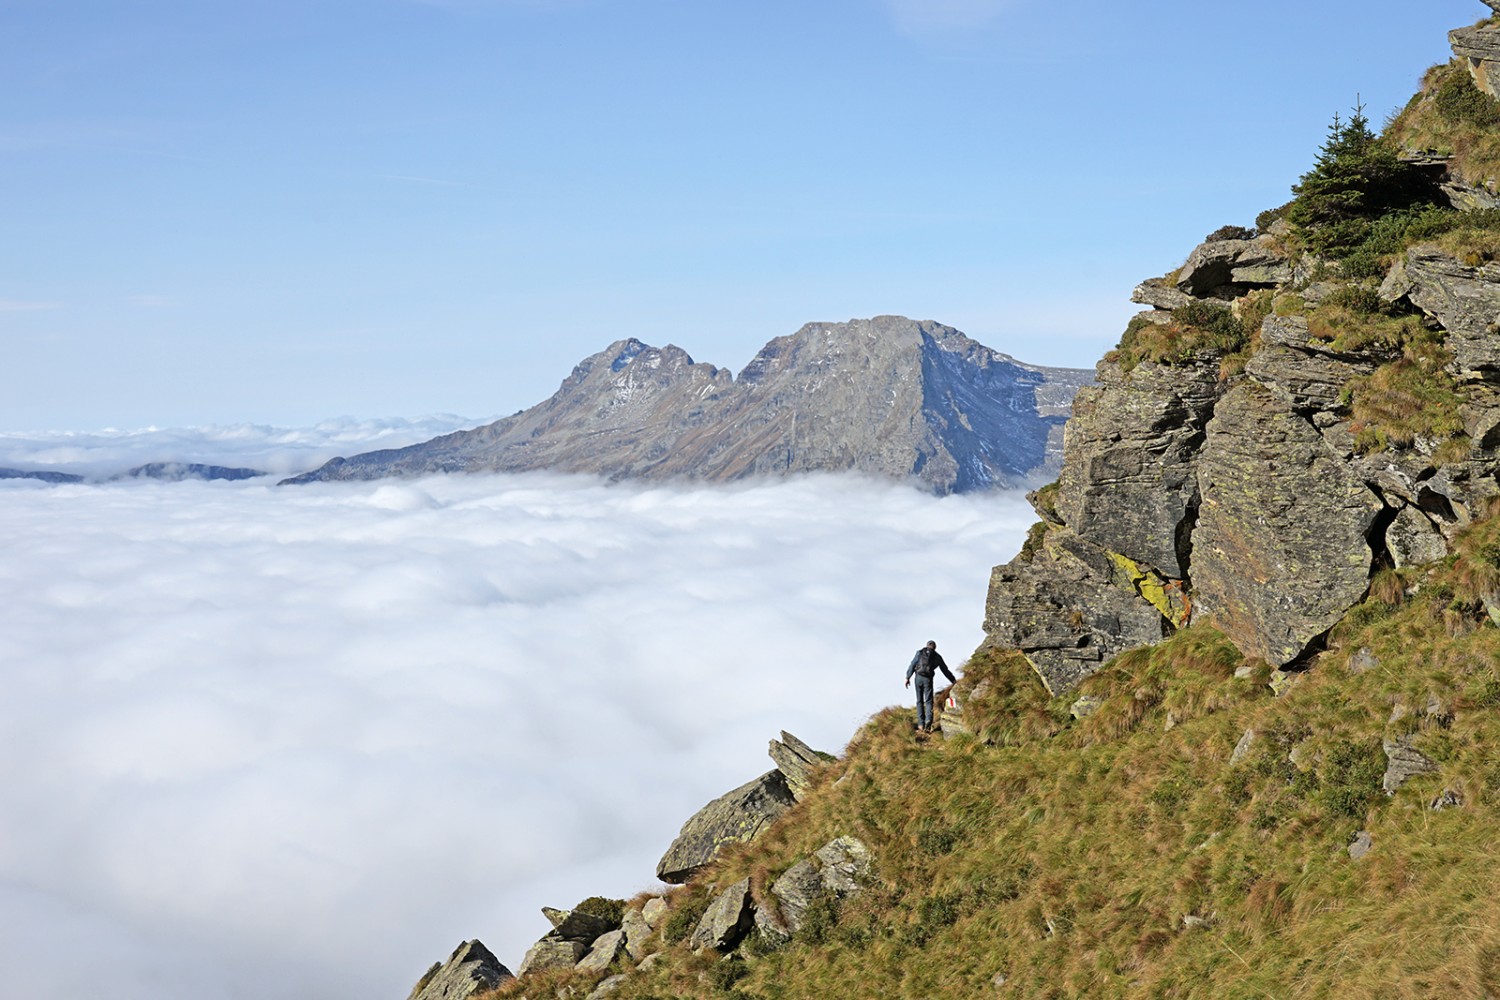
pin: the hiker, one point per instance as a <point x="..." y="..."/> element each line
<point x="927" y="661"/>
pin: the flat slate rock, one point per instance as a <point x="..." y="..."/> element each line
<point x="736" y="817"/>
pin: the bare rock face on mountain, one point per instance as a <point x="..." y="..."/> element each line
<point x="471" y="969"/>
<point x="1465" y="299"/>
<point x="1069" y="607"/>
<point x="739" y="815"/>
<point x="1263" y="444"/>
<point x="886" y="396"/>
<point x="1127" y="483"/>
<point x="1481" y="47"/>
<point x="1280" y="550"/>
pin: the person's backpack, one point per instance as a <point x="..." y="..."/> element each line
<point x="924" y="662"/>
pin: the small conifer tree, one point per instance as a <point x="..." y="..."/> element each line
<point x="1355" y="180"/>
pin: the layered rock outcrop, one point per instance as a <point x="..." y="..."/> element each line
<point x="1261" y="483"/>
<point x="1479" y="46"/>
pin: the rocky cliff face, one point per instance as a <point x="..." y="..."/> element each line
<point x="1261" y="483"/>
<point x="887" y="396"/>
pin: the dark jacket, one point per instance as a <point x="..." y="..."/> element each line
<point x="934" y="661"/>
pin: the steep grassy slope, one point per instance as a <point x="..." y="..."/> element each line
<point x="1124" y="855"/>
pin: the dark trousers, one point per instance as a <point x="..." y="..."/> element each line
<point x="924" y="701"/>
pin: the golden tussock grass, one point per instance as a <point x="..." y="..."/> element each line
<point x="1123" y="856"/>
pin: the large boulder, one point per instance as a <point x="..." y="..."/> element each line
<point x="637" y="932"/>
<point x="838" y="870"/>
<point x="552" y="953"/>
<point x="603" y="952"/>
<point x="846" y="866"/>
<point x="1280" y="550"/>
<point x="738" y="816"/>
<point x="575" y="925"/>
<point x="1159" y="295"/>
<point x="726" y="920"/>
<point x="794" y="891"/>
<point x="1127" y="482"/>
<point x="471" y="969"/>
<point x="1413" y="539"/>
<point x="1069" y="607"/>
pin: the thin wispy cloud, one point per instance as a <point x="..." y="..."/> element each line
<point x="262" y="742"/>
<point x="24" y="305"/>
<point x="941" y="17"/>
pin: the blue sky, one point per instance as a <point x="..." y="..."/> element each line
<point x="286" y="211"/>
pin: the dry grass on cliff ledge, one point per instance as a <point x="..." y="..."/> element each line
<point x="1452" y="117"/>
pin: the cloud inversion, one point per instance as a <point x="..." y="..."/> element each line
<point x="266" y="742"/>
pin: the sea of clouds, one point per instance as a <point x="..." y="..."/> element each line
<point x="277" y="451"/>
<point x="301" y="741"/>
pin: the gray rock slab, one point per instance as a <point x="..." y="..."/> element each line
<point x="1362" y="661"/>
<point x="737" y="816"/>
<point x="1127" y="481"/>
<point x="1403" y="762"/>
<point x="1254" y="262"/>
<point x="1065" y="608"/>
<point x="574" y="925"/>
<point x="1242" y="748"/>
<point x="1465" y="300"/>
<point x="471" y="969"/>
<point x="1413" y="539"/>
<point x="552" y="953"/>
<point x="1279" y="551"/>
<point x="1479" y="47"/>
<point x="1159" y="295"/>
<point x="653" y="911"/>
<point x="607" y="987"/>
<point x="846" y="866"/>
<point x="604" y="951"/>
<point x="1308" y="378"/>
<point x="726" y="920"/>
<point x="637" y="933"/>
<point x="1085" y="706"/>
<point x="796" y="761"/>
<point x="795" y="890"/>
<point x="1361" y="845"/>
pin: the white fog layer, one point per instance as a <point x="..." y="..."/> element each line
<point x="278" y="451"/>
<point x="292" y="742"/>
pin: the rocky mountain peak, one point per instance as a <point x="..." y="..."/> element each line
<point x="887" y="396"/>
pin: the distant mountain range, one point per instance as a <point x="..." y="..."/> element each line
<point x="887" y="396"/>
<point x="169" y="471"/>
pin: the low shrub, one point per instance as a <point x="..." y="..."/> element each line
<point x="1458" y="101"/>
<point x="607" y="909"/>
<point x="1229" y="233"/>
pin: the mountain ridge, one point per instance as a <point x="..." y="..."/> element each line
<point x="886" y="396"/>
